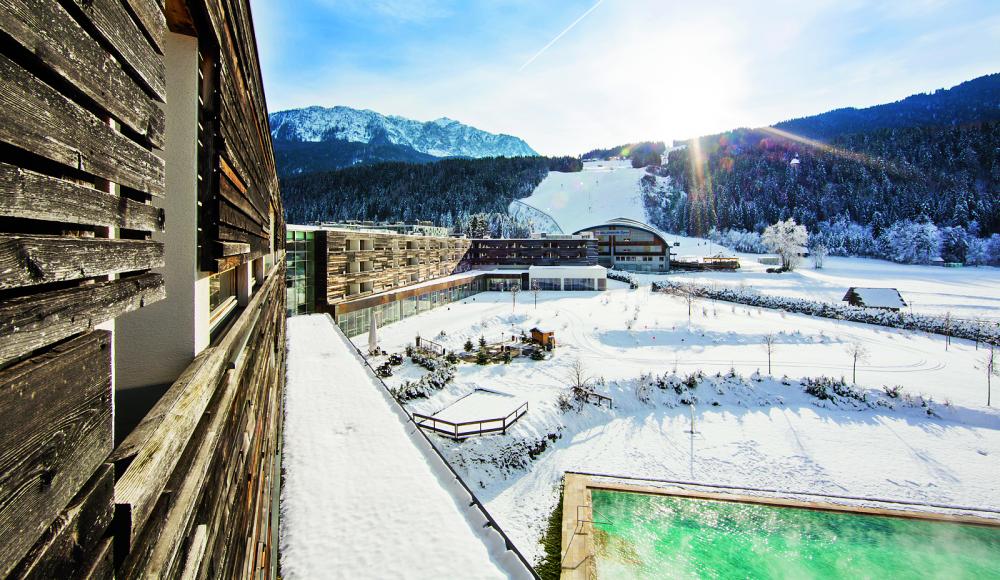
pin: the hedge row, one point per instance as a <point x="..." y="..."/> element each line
<point x="984" y="331"/>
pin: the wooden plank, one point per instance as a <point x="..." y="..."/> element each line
<point x="229" y="233"/>
<point x="160" y="439"/>
<point x="233" y="178"/>
<point x="231" y="216"/>
<point x="66" y="547"/>
<point x="56" y="413"/>
<point x="26" y="194"/>
<point x="195" y="554"/>
<point x="31" y="322"/>
<point x="171" y="532"/>
<point x="227" y="249"/>
<point x="228" y="192"/>
<point x="52" y="35"/>
<point x="151" y="17"/>
<point x="29" y="260"/>
<point x="102" y="562"/>
<point x="37" y="118"/>
<point x="116" y="27"/>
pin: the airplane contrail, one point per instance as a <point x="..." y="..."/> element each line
<point x="560" y="35"/>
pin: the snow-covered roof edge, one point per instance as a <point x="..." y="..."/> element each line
<point x="495" y="544"/>
<point x="876" y="297"/>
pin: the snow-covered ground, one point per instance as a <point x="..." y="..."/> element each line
<point x="361" y="497"/>
<point x="964" y="292"/>
<point x="604" y="190"/>
<point x="750" y="433"/>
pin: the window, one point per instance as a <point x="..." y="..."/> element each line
<point x="221" y="296"/>
<point x="548" y="283"/>
<point x="579" y="284"/>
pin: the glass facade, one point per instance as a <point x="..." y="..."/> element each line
<point x="300" y="277"/>
<point x="358" y="321"/>
<point x="497" y="284"/>
<point x="579" y="284"/>
<point x="548" y="283"/>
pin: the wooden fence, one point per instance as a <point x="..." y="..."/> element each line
<point x="463" y="429"/>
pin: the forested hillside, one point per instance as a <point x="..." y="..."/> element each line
<point x="973" y="101"/>
<point x="946" y="176"/>
<point x="298" y="157"/>
<point x="446" y="192"/>
<point x="640" y="154"/>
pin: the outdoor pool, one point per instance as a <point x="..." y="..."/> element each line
<point x="639" y="535"/>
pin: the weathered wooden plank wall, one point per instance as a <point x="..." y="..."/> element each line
<point x="203" y="458"/>
<point x="81" y="87"/>
<point x="242" y="204"/>
<point x="395" y="260"/>
<point x="189" y="492"/>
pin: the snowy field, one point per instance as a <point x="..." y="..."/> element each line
<point x="361" y="498"/>
<point x="936" y="443"/>
<point x="965" y="292"/>
<point x="603" y="190"/>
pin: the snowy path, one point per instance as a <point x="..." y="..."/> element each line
<point x="360" y="498"/>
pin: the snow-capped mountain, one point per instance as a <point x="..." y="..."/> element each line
<point x="440" y="138"/>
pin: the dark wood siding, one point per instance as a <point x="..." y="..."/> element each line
<point x="200" y="466"/>
<point x="81" y="87"/>
<point x="240" y="187"/>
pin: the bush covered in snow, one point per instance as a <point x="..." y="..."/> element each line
<point x="739" y="240"/>
<point x="441" y="374"/>
<point x="920" y="322"/>
<point x="623" y="277"/>
<point x="428" y="361"/>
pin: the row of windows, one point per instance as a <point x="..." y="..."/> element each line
<point x="358" y="322"/>
<point x="366" y="244"/>
<point x="638" y="259"/>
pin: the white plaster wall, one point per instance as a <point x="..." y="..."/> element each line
<point x="156" y="343"/>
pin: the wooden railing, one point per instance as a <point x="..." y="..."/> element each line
<point x="197" y="474"/>
<point x="458" y="431"/>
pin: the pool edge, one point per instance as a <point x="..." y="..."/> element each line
<point x="578" y="561"/>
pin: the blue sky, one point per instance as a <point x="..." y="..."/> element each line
<point x="628" y="70"/>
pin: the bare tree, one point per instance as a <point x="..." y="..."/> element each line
<point x="535" y="289"/>
<point x="819" y="253"/>
<point x="992" y="369"/>
<point x="687" y="293"/>
<point x="858" y="352"/>
<point x="947" y="329"/>
<point x="514" y="289"/>
<point x="770" y="342"/>
<point x="577" y="375"/>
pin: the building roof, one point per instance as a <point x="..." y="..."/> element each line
<point x="876" y="297"/>
<point x="360" y="487"/>
<point x="630" y="223"/>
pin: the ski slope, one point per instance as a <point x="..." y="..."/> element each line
<point x="603" y="190"/>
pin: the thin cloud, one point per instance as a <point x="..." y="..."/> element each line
<point x="560" y="35"/>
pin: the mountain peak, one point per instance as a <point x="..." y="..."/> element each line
<point x="442" y="137"/>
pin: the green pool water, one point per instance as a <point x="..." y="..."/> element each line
<point x="651" y="536"/>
